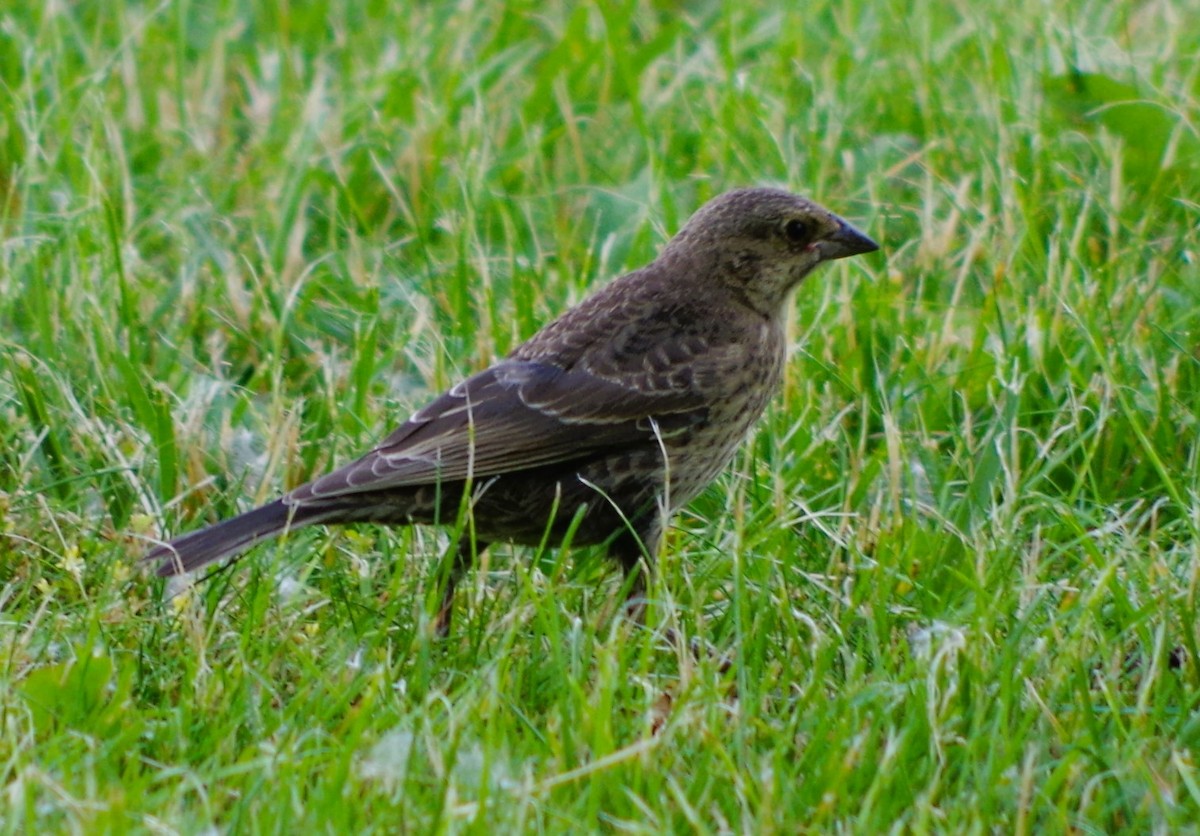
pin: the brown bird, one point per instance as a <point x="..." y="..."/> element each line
<point x="603" y="423"/>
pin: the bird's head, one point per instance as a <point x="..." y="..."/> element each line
<point x="762" y="242"/>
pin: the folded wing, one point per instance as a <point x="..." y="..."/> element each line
<point x="514" y="416"/>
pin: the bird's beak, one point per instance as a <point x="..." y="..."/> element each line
<point x="845" y="242"/>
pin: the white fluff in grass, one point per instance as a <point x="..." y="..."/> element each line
<point x="387" y="761"/>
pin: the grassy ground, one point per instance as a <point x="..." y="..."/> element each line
<point x="956" y="565"/>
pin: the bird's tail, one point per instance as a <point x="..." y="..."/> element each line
<point x="231" y="537"/>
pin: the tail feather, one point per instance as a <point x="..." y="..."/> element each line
<point x="231" y="537"/>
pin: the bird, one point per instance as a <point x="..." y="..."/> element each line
<point x="601" y="425"/>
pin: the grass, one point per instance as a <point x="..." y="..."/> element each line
<point x="956" y="565"/>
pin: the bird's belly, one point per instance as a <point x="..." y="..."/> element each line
<point x="700" y="458"/>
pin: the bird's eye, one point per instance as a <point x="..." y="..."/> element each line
<point x="796" y="231"/>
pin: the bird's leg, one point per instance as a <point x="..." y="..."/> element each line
<point x="463" y="557"/>
<point x="635" y="559"/>
<point x="635" y="600"/>
<point x="635" y="553"/>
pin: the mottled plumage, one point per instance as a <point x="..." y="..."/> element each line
<point x="619" y="411"/>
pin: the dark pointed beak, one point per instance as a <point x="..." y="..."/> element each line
<point x="847" y="241"/>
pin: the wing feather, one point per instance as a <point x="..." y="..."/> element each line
<point x="520" y="414"/>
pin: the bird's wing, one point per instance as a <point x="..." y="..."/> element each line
<point x="521" y="414"/>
